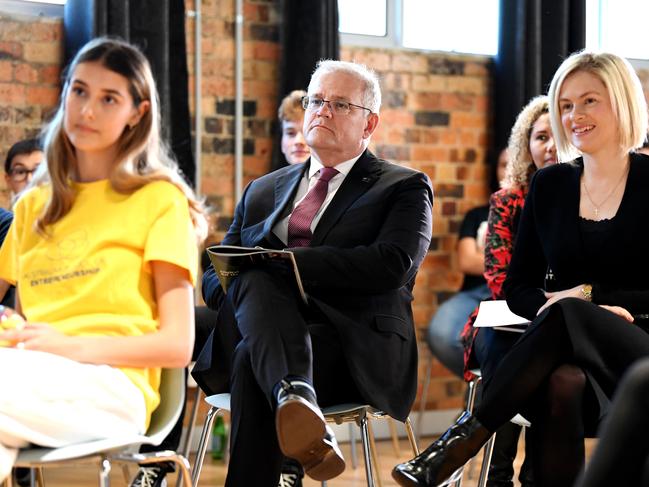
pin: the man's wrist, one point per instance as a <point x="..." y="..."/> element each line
<point x="587" y="292"/>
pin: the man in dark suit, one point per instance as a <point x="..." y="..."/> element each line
<point x="359" y="228"/>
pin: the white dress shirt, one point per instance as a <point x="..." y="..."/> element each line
<point x="306" y="183"/>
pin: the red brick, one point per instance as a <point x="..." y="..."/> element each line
<point x="6" y="71"/>
<point x="43" y="52"/>
<point x="42" y="95"/>
<point x="25" y="73"/>
<point x="50" y="74"/>
<point x="266" y="51"/>
<point x="11" y="93"/>
<point x="13" y="49"/>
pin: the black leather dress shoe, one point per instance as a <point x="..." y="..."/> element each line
<point x="303" y="434"/>
<point x="436" y="466"/>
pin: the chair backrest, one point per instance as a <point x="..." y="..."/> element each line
<point x="172" y="400"/>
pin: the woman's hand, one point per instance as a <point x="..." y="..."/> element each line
<point x="618" y="310"/>
<point x="42" y="337"/>
<point x="574" y="292"/>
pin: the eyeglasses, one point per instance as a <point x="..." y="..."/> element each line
<point x="19" y="174"/>
<point x="338" y="107"/>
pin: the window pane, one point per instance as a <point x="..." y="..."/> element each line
<point x="460" y="25"/>
<point x="366" y="17"/>
<point x="619" y="27"/>
<point x="56" y="2"/>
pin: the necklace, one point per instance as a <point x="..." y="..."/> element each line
<point x="598" y="206"/>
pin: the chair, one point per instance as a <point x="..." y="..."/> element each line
<point x="121" y="449"/>
<point x="343" y="413"/>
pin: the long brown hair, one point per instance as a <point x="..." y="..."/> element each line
<point x="142" y="156"/>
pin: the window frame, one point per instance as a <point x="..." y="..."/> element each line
<point x="393" y="37"/>
<point x="34" y="9"/>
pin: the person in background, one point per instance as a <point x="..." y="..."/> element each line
<point x="291" y="118"/>
<point x="443" y="335"/>
<point x="111" y="212"/>
<point x="359" y="228"/>
<point x="21" y="163"/>
<point x="588" y="221"/>
<point x="622" y="453"/>
<point x="531" y="147"/>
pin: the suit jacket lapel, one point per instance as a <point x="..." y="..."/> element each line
<point x="362" y="176"/>
<point x="285" y="187"/>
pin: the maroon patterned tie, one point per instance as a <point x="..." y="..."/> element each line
<point x="299" y="223"/>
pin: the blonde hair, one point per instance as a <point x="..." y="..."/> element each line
<point x="624" y="90"/>
<point x="142" y="156"/>
<point x="520" y="165"/>
<point x="290" y="109"/>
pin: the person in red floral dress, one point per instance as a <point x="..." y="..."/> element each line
<point x="531" y="147"/>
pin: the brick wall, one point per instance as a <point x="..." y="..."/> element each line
<point x="435" y="118"/>
<point x="31" y="51"/>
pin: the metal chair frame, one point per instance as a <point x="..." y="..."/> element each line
<point x="123" y="449"/>
<point x="344" y="413"/>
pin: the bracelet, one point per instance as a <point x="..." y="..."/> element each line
<point x="587" y="292"/>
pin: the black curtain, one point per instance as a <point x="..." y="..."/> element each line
<point x="308" y="33"/>
<point x="535" y="37"/>
<point x="158" y="28"/>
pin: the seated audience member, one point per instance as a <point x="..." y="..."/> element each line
<point x="359" y="228"/>
<point x="622" y="453"/>
<point x="295" y="150"/>
<point x="444" y="330"/>
<point x="6" y="293"/>
<point x="291" y="118"/>
<point x="577" y="217"/>
<point x="531" y="147"/>
<point x="111" y="212"/>
<point x="22" y="160"/>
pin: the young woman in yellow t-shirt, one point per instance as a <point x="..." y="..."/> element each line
<point x="103" y="249"/>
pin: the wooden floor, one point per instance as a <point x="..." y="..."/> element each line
<point x="214" y="471"/>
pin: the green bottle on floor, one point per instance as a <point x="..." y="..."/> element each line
<point x="219" y="438"/>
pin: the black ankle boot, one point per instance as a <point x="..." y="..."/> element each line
<point x="435" y="465"/>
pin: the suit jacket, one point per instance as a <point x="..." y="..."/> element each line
<point x="359" y="270"/>
<point x="549" y="236"/>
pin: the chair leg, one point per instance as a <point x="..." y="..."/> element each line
<point x="126" y="473"/>
<point x="486" y="461"/>
<point x="190" y="426"/>
<point x="40" y="477"/>
<point x="367" y="455"/>
<point x="395" y="437"/>
<point x="375" y="459"/>
<point x="424" y="394"/>
<point x="104" y="473"/>
<point x="352" y="446"/>
<point x="411" y="436"/>
<point x="184" y="476"/>
<point x="189" y="434"/>
<point x="202" y="445"/>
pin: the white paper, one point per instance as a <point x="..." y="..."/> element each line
<point x="497" y="314"/>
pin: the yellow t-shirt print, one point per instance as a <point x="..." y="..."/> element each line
<point x="91" y="275"/>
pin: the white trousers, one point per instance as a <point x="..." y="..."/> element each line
<point x="52" y="401"/>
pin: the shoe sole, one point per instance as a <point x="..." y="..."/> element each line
<point x="301" y="435"/>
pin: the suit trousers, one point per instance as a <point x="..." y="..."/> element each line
<point x="281" y="336"/>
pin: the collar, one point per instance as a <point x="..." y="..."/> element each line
<point x="343" y="167"/>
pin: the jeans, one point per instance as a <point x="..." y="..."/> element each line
<point x="444" y="330"/>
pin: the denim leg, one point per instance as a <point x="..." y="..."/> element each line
<point x="443" y="334"/>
